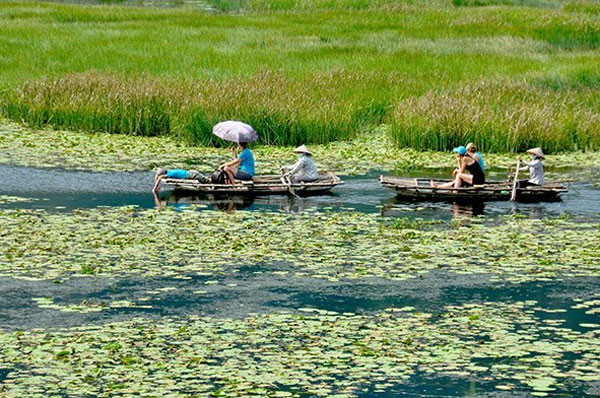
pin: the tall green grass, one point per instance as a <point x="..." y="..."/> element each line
<point x="528" y="3"/>
<point x="299" y="71"/>
<point x="285" y="112"/>
<point x="501" y="116"/>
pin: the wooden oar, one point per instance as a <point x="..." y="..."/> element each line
<point x="288" y="183"/>
<point x="513" y="197"/>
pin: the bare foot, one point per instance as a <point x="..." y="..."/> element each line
<point x="433" y="184"/>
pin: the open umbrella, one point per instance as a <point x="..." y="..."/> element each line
<point x="235" y="131"/>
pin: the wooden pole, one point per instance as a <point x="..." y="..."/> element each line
<point x="288" y="183"/>
<point x="513" y="196"/>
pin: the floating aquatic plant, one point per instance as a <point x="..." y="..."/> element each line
<point x="329" y="245"/>
<point x="6" y="199"/>
<point x="315" y="352"/>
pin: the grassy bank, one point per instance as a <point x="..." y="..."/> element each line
<point x="47" y="148"/>
<point x="437" y="73"/>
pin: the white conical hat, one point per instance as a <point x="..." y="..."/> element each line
<point x="537" y="152"/>
<point x="302" y="149"/>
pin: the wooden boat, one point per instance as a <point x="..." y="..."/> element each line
<point x="260" y="185"/>
<point x="419" y="188"/>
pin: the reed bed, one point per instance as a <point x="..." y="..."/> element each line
<point x="527" y="3"/>
<point x="500" y="116"/>
<point x="285" y="112"/>
<point x="305" y="72"/>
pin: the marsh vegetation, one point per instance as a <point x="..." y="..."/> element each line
<point x="105" y="298"/>
<point x="507" y="77"/>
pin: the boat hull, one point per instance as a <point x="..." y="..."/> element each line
<point x="263" y="185"/>
<point x="420" y="189"/>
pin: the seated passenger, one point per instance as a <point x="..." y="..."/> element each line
<point x="536" y="169"/>
<point x="472" y="152"/>
<point x="179" y="174"/>
<point x="245" y="160"/>
<point x="304" y="170"/>
<point x="462" y="179"/>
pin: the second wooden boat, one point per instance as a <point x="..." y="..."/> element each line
<point x="420" y="188"/>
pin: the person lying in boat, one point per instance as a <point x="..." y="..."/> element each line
<point x="242" y="166"/>
<point x="536" y="169"/>
<point x="179" y="174"/>
<point x="462" y="179"/>
<point x="304" y="170"/>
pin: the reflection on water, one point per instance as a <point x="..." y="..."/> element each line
<point x="467" y="209"/>
<point x="282" y="203"/>
<point x="397" y="208"/>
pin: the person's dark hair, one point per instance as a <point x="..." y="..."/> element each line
<point x="243" y="144"/>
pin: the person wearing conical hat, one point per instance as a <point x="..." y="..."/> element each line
<point x="536" y="169"/>
<point x="304" y="170"/>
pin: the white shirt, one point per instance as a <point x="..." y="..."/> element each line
<point x="536" y="171"/>
<point x="304" y="167"/>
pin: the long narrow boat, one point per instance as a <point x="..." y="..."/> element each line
<point x="420" y="188"/>
<point x="260" y="185"/>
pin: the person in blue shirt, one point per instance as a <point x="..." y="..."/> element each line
<point x="178" y="174"/>
<point x="242" y="166"/>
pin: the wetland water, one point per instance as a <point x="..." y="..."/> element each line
<point x="465" y="323"/>
<point x="66" y="190"/>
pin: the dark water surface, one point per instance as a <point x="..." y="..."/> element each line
<point x="256" y="289"/>
<point x="250" y="292"/>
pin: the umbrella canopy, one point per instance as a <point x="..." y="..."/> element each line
<point x="235" y="131"/>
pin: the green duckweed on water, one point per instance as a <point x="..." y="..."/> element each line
<point x="86" y="306"/>
<point x="114" y="152"/>
<point x="7" y="199"/>
<point x="125" y="241"/>
<point x="312" y="352"/>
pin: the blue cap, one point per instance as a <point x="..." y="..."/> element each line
<point x="461" y="150"/>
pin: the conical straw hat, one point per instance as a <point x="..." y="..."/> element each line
<point x="302" y="149"/>
<point x="537" y="152"/>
